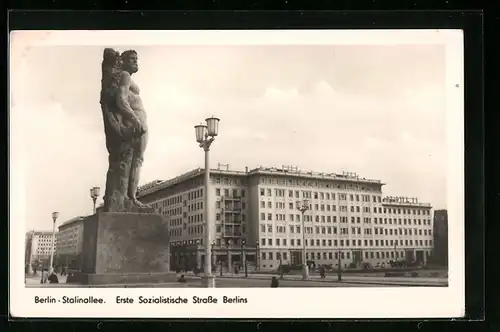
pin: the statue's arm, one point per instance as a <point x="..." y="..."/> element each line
<point x="122" y="96"/>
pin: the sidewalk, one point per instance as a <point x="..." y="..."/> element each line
<point x="153" y="285"/>
<point x="35" y="279"/>
<point x="34" y="282"/>
<point x="400" y="281"/>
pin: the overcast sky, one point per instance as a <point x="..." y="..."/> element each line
<point x="375" y="110"/>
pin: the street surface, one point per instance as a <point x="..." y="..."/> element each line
<point x="220" y="283"/>
<point x="363" y="279"/>
<point x="264" y="280"/>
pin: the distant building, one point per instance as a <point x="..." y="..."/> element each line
<point x="69" y="242"/>
<point x="440" y="253"/>
<point x="347" y="216"/>
<point x="38" y="247"/>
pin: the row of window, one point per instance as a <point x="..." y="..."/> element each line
<point x="332" y="208"/>
<point x="198" y="229"/>
<point x="171" y="212"/>
<point x="45" y="240"/>
<point x="229" y="217"/>
<point x="195" y="206"/>
<point x="318" y="184"/>
<point x="229" y="181"/>
<point x="335" y="255"/>
<point x="232" y="207"/>
<point x="48" y="244"/>
<point x="195" y="218"/>
<point x="198" y="193"/>
<point x="341" y="197"/>
<point x="235" y="192"/>
<point x="347" y="243"/>
<point x="228" y="229"/>
<point x="343" y="219"/>
<point x="43" y="251"/>
<point x="175" y="222"/>
<point x="344" y="230"/>
<point x="321" y="195"/>
<point x="174" y="200"/>
<point x="175" y="232"/>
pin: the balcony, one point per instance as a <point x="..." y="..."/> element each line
<point x="232" y="221"/>
<point x="232" y="209"/>
<point x="232" y="198"/>
<point x="232" y="234"/>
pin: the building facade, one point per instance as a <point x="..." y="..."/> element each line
<point x="348" y="221"/>
<point x="38" y="247"/>
<point x="440" y="253"/>
<point x="69" y="243"/>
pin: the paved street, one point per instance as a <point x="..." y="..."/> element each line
<point x="241" y="282"/>
<point x="363" y="279"/>
<point x="263" y="280"/>
<point x="220" y="283"/>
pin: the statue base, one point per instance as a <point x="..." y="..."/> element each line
<point x="122" y="248"/>
<point x="208" y="281"/>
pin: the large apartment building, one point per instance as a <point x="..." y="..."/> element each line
<point x="256" y="217"/>
<point x="38" y="247"/>
<point x="69" y="242"/>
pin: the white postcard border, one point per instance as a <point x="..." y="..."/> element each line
<point x="335" y="302"/>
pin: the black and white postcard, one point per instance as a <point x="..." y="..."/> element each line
<point x="237" y="174"/>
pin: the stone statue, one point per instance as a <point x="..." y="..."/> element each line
<point x="126" y="131"/>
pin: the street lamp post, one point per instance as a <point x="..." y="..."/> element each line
<point x="220" y="263"/>
<point x="244" y="256"/>
<point x="303" y="206"/>
<point x="395" y="252"/>
<point x="55" y="215"/>
<point x="213" y="254"/>
<point x="30" y="259"/>
<point x="228" y="244"/>
<point x="198" y="255"/>
<point x="205" y="135"/>
<point x="339" y="269"/>
<point x="280" y="262"/>
<point x="257" y="255"/>
<point x="172" y="261"/>
<point x="94" y="194"/>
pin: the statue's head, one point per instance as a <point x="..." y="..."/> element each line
<point x="129" y="61"/>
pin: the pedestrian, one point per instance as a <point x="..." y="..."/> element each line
<point x="44" y="276"/>
<point x="274" y="282"/>
<point x="322" y="272"/>
<point x="53" y="278"/>
<point x="182" y="279"/>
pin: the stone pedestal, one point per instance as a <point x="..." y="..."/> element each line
<point x="120" y="248"/>
<point x="208" y="281"/>
<point x="305" y="272"/>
